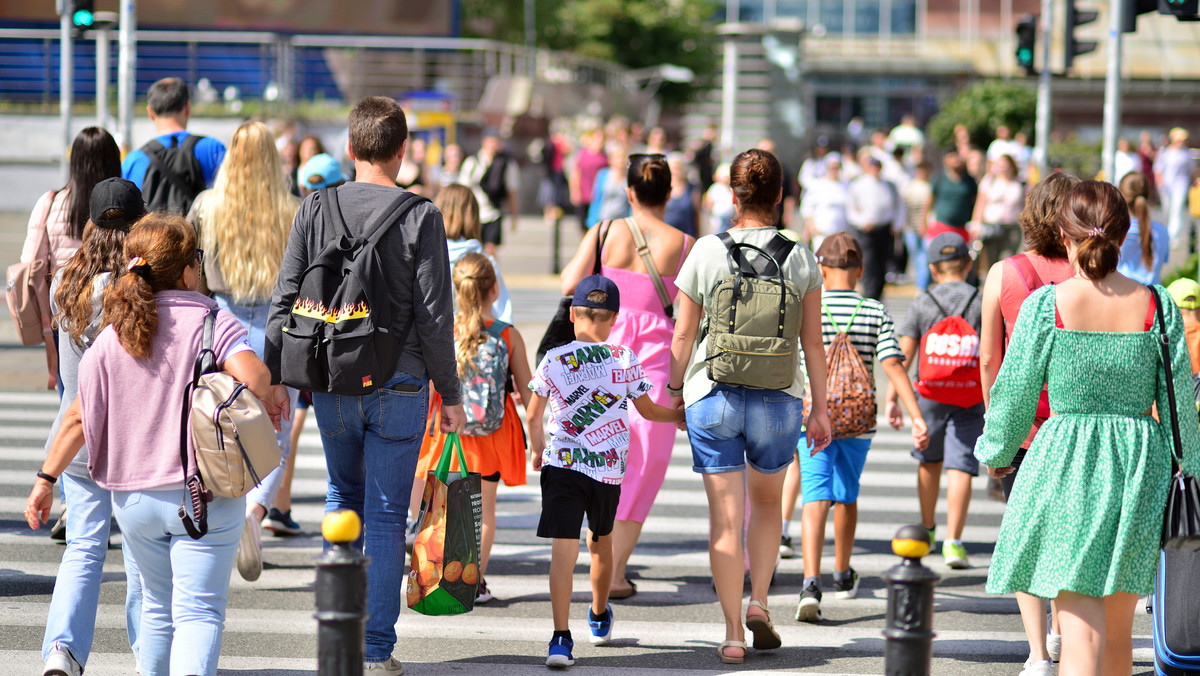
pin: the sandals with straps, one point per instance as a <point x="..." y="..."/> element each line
<point x="765" y="636"/>
<point x="729" y="659"/>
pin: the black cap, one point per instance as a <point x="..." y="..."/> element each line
<point x="116" y="193"/>
<point x="947" y="246"/>
<point x="597" y="283"/>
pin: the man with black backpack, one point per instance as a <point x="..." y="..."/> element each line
<point x="176" y="166"/>
<point x="492" y="175"/>
<point x="366" y="339"/>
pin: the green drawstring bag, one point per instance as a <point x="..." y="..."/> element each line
<point x="443" y="574"/>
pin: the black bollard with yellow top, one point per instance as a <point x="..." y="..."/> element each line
<point x="909" y="631"/>
<point x="341" y="597"/>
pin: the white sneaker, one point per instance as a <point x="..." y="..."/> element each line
<point x="249" y="556"/>
<point x="60" y="662"/>
<point x="1054" y="645"/>
<point x="1039" y="668"/>
<point x="390" y="668"/>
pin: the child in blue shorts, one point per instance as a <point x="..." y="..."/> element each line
<point x="831" y="477"/>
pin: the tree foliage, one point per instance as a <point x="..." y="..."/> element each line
<point x="982" y="107"/>
<point x="633" y="33"/>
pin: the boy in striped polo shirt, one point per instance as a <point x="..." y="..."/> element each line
<point x="831" y="477"/>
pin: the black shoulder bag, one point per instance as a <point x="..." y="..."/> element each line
<point x="561" y="330"/>
<point x="1181" y="522"/>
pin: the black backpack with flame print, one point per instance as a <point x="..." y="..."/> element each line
<point x="338" y="336"/>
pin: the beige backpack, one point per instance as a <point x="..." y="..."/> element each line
<point x="232" y="438"/>
<point x="27" y="291"/>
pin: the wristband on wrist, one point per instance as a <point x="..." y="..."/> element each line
<point x="674" y="391"/>
<point x="47" y="477"/>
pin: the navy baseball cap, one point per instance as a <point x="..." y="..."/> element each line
<point x="947" y="246"/>
<point x="597" y="283"/>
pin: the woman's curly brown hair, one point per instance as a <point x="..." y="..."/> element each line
<point x="1039" y="218"/>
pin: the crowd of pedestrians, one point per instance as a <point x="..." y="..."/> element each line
<point x="143" y="250"/>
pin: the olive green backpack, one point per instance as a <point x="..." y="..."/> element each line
<point x="753" y="318"/>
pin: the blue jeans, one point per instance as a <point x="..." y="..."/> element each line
<point x="735" y="426"/>
<point x="254" y="319"/>
<point x="371" y="447"/>
<point x="917" y="258"/>
<point x="185" y="581"/>
<point x="72" y="618"/>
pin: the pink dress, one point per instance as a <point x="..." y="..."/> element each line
<point x="643" y="327"/>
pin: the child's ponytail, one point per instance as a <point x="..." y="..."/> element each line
<point x="474" y="279"/>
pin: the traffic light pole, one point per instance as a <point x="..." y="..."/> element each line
<point x="66" y="77"/>
<point x="126" y="73"/>
<point x="1112" y="91"/>
<point x="1041" y="152"/>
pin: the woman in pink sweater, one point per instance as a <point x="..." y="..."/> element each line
<point x="129" y="411"/>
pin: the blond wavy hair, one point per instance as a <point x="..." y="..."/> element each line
<point x="248" y="215"/>
<point x="474" y="278"/>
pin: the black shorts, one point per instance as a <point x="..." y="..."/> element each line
<point x="567" y="496"/>
<point x="492" y="231"/>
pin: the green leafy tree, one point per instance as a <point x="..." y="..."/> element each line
<point x="633" y="33"/>
<point x="982" y="107"/>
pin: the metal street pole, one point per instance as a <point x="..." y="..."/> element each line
<point x="1041" y="151"/>
<point x="530" y="35"/>
<point x="1112" y="91"/>
<point x="729" y="91"/>
<point x="66" y="77"/>
<point x="126" y="71"/>
<point x="102" y="78"/>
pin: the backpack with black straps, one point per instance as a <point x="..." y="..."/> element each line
<point x="948" y="363"/>
<point x="492" y="182"/>
<point x="174" y="176"/>
<point x="338" y="336"/>
<point x="753" y="318"/>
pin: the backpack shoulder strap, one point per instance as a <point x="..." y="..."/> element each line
<point x="497" y="328"/>
<point x="936" y="304"/>
<point x="333" y="211"/>
<point x="779" y="249"/>
<point x="393" y="214"/>
<point x="975" y="294"/>
<point x="153" y="147"/>
<point x="189" y="143"/>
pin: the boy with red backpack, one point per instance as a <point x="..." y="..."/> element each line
<point x="941" y="330"/>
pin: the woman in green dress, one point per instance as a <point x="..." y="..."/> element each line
<point x="1084" y="520"/>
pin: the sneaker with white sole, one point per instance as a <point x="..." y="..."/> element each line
<point x="559" y="655"/>
<point x="601" y="628"/>
<point x="281" y="523"/>
<point x="845" y="585"/>
<point x="1054" y="645"/>
<point x="786" y="550"/>
<point x="249" y="556"/>
<point x="484" y="595"/>
<point x="60" y="662"/>
<point x="391" y="667"/>
<point x="1039" y="668"/>
<point x="809" y="609"/>
<point x="955" y="555"/>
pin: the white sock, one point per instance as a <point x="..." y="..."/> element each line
<point x="787" y="526"/>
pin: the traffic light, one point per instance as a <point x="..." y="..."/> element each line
<point x="1026" y="41"/>
<point x="1132" y="9"/>
<point x="1184" y="10"/>
<point x="1072" y="47"/>
<point x="83" y="16"/>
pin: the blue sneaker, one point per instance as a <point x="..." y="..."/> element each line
<point x="602" y="628"/>
<point x="560" y="653"/>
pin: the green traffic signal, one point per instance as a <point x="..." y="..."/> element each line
<point x="1025" y="58"/>
<point x="84" y="18"/>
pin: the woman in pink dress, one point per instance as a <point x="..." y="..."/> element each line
<point x="644" y="326"/>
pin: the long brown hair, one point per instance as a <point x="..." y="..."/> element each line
<point x="460" y="212"/>
<point x="103" y="251"/>
<point x="1135" y="189"/>
<point x="1039" y="218"/>
<point x="1096" y="218"/>
<point x="157" y="250"/>
<point x="474" y="279"/>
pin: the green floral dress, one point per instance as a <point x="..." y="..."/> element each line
<point x="1086" y="512"/>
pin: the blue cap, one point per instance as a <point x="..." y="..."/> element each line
<point x="321" y="171"/>
<point x="597" y="283"/>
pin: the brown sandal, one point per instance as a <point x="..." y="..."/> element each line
<point x="622" y="594"/>
<point x="728" y="659"/>
<point x="765" y="636"/>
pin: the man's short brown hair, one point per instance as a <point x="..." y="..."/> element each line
<point x="378" y="129"/>
<point x="954" y="266"/>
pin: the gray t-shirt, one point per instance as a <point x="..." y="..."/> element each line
<point x="418" y="279"/>
<point x="707" y="264"/>
<point x="952" y="296"/>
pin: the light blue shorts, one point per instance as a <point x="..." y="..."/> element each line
<point x="834" y="473"/>
<point x="735" y="426"/>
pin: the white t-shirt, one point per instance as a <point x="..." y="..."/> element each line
<point x="589" y="386"/>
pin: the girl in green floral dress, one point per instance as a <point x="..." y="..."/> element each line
<point x="1084" y="520"/>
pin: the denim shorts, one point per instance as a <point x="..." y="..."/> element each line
<point x="735" y="426"/>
